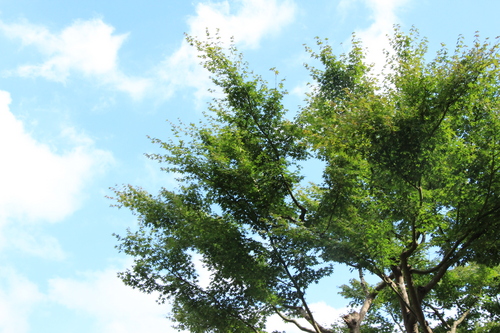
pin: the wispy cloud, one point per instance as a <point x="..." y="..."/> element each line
<point x="38" y="184"/>
<point x="32" y="240"/>
<point x="115" y="307"/>
<point x="90" y="47"/>
<point x="111" y="305"/>
<point x="19" y="297"/>
<point x="100" y="295"/>
<point x="120" y="309"/>
<point x="384" y="15"/>
<point x="248" y="21"/>
<point x="85" y="47"/>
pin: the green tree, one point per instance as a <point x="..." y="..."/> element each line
<point x="474" y="289"/>
<point x="410" y="193"/>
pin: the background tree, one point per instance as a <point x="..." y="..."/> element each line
<point x="474" y="290"/>
<point x="410" y="192"/>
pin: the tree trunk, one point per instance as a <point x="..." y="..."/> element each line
<point x="353" y="322"/>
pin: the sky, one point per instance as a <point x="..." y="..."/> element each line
<point x="82" y="85"/>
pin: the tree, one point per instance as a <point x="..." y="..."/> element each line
<point x="410" y="193"/>
<point x="474" y="289"/>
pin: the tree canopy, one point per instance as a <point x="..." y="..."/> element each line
<point x="410" y="194"/>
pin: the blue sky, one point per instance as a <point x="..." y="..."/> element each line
<point x="82" y="83"/>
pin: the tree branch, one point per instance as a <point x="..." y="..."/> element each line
<point x="297" y="288"/>
<point x="450" y="261"/>
<point x="395" y="321"/>
<point x="370" y="296"/>
<point x="443" y="261"/>
<point x="439" y="315"/>
<point x="230" y="313"/>
<point x="293" y="321"/>
<point x="266" y="135"/>
<point x="363" y="282"/>
<point x="305" y="315"/>
<point x="458" y="322"/>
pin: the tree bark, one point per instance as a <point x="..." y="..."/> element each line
<point x="354" y="319"/>
<point x="409" y="319"/>
<point x="353" y="322"/>
<point x="458" y="322"/>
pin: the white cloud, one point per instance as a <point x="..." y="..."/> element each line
<point x="18" y="299"/>
<point x="38" y="184"/>
<point x="114" y="307"/>
<point x="248" y="21"/>
<point x="117" y="308"/>
<point x="106" y="303"/>
<point x="302" y="89"/>
<point x="384" y="16"/>
<point x="34" y="242"/>
<point x="99" y="298"/>
<point x="253" y="20"/>
<point x="91" y="47"/>
<point x="324" y="314"/>
<point x="86" y="47"/>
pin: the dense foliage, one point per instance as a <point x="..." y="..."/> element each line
<point x="410" y="194"/>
